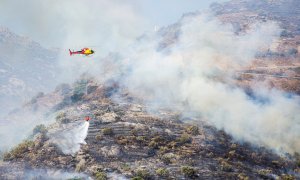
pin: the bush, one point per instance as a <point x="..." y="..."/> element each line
<point x="143" y="173"/>
<point x="76" y="97"/>
<point x="125" y="167"/>
<point x="188" y="171"/>
<point x="63" y="88"/>
<point x="79" y="90"/>
<point x="287" y="177"/>
<point x="193" y="130"/>
<point x="172" y="145"/>
<point x="231" y="154"/>
<point x="18" y="151"/>
<point x="184" y="138"/>
<point x="163" y="149"/>
<point x="153" y="145"/>
<point x="7" y="156"/>
<point x="242" y="176"/>
<point x="39" y="129"/>
<point x="134" y="132"/>
<point x="141" y="139"/>
<point x="98" y="137"/>
<point x="80" y="166"/>
<point x="292" y="52"/>
<point x="101" y="176"/>
<point x="162" y="172"/>
<point x="264" y="172"/>
<point x="226" y="166"/>
<point x="107" y="131"/>
<point x="167" y="158"/>
<point x="61" y="118"/>
<point x="80" y="86"/>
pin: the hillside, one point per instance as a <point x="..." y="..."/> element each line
<point x="124" y="140"/>
<point x="26" y="68"/>
<point x="278" y="66"/>
<point x="213" y="96"/>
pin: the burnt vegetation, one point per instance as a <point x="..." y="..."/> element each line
<point x="126" y="139"/>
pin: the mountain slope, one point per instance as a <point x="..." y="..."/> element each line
<point x="123" y="138"/>
<point x="25" y="69"/>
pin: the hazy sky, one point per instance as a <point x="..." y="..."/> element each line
<point x="54" y="23"/>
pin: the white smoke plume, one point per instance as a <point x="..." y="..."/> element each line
<point x="53" y="174"/>
<point x="19" y="171"/>
<point x="196" y="74"/>
<point x="70" y="137"/>
<point x="15" y="128"/>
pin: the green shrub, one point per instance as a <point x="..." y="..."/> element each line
<point x="79" y="89"/>
<point x="163" y="149"/>
<point x="141" y="139"/>
<point x="80" y="166"/>
<point x="264" y="172"/>
<point x="167" y="158"/>
<point x="107" y="131"/>
<point x="242" y="176"/>
<point x="7" y="156"/>
<point x="184" y="138"/>
<point x="18" y="151"/>
<point x="193" y="130"/>
<point x="172" y="145"/>
<point x="134" y="132"/>
<point x="231" y="154"/>
<point x="188" y="171"/>
<point x="162" y="172"/>
<point x="153" y="145"/>
<point x="125" y="167"/>
<point x="287" y="177"/>
<point x="39" y="129"/>
<point x="98" y="137"/>
<point x="80" y="86"/>
<point x="101" y="176"/>
<point x="225" y="166"/>
<point x="76" y="97"/>
<point x="61" y="118"/>
<point x="143" y="173"/>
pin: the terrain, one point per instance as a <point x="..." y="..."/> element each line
<point x="26" y="68"/>
<point x="126" y="141"/>
<point x="279" y="65"/>
<point x="131" y="137"/>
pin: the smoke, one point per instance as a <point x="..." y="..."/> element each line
<point x="117" y="176"/>
<point x="197" y="74"/>
<point x="73" y="23"/>
<point x="19" y="126"/>
<point x="20" y="171"/>
<point x="70" y="137"/>
<point x="53" y="174"/>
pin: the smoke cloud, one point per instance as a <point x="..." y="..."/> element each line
<point x="74" y="23"/>
<point x="17" y="127"/>
<point x="19" y="171"/>
<point x="196" y="74"/>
